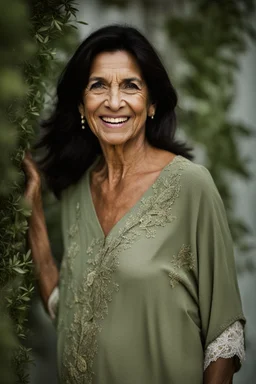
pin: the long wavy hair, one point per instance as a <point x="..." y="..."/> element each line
<point x="69" y="150"/>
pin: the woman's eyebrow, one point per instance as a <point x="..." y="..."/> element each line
<point x="130" y="79"/>
<point x="96" y="78"/>
<point x="126" y="80"/>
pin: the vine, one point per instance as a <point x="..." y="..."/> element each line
<point x="40" y="34"/>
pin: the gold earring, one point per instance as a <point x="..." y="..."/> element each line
<point x="82" y="122"/>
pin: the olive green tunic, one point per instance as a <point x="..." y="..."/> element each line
<point x="141" y="305"/>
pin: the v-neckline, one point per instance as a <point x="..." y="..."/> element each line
<point x="123" y="218"/>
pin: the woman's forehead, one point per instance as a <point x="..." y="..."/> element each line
<point x="115" y="62"/>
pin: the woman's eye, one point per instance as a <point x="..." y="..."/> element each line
<point x="97" y="85"/>
<point x="131" y="86"/>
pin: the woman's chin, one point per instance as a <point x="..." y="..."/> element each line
<point x="114" y="139"/>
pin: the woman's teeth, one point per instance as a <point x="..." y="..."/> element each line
<point x="115" y="120"/>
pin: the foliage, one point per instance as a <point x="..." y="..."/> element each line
<point x="12" y="227"/>
<point x="12" y="84"/>
<point x="28" y="65"/>
<point x="8" y="346"/>
<point x="210" y="37"/>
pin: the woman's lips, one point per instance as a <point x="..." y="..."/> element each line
<point x="114" y="122"/>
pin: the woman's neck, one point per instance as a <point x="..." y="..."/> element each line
<point x="122" y="161"/>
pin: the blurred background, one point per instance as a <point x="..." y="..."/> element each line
<point x="209" y="50"/>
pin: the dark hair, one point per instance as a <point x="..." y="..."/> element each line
<point x="71" y="150"/>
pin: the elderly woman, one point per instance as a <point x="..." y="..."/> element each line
<point x="147" y="292"/>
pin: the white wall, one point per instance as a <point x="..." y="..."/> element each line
<point x="244" y="109"/>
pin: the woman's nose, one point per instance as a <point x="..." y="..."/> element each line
<point x="114" y="99"/>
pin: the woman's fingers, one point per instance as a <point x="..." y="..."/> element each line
<point x="30" y="168"/>
<point x="33" y="183"/>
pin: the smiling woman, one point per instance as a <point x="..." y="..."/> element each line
<point x="80" y="148"/>
<point x="116" y="100"/>
<point x="147" y="291"/>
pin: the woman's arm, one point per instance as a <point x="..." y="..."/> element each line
<point x="220" y="371"/>
<point x="46" y="270"/>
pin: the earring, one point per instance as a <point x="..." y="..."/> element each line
<point x="82" y="122"/>
<point x="152" y="116"/>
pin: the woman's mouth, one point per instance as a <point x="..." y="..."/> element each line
<point x="114" y="121"/>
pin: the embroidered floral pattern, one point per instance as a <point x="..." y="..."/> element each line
<point x="183" y="261"/>
<point x="68" y="261"/>
<point x="98" y="286"/>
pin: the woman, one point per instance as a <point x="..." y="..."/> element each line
<point x="147" y="291"/>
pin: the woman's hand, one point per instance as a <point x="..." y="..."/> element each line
<point x="47" y="272"/>
<point x="33" y="181"/>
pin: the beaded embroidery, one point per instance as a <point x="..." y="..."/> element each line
<point x="184" y="260"/>
<point x="97" y="286"/>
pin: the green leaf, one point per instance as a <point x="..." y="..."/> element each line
<point x="19" y="270"/>
<point x="82" y="22"/>
<point x="24" y="121"/>
<point x="57" y="25"/>
<point x="26" y="212"/>
<point x="39" y="38"/>
<point x="25" y="298"/>
<point x="21" y="308"/>
<point x="42" y="29"/>
<point x="28" y="254"/>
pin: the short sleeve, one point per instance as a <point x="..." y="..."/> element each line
<point x="229" y="344"/>
<point x="218" y="292"/>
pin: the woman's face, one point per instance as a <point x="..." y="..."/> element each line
<point x="116" y="100"/>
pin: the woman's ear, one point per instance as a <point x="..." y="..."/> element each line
<point x="152" y="110"/>
<point x="81" y="109"/>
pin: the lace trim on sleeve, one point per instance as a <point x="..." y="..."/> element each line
<point x="53" y="303"/>
<point x="230" y="343"/>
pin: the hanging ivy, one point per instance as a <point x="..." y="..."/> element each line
<point x="38" y="37"/>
